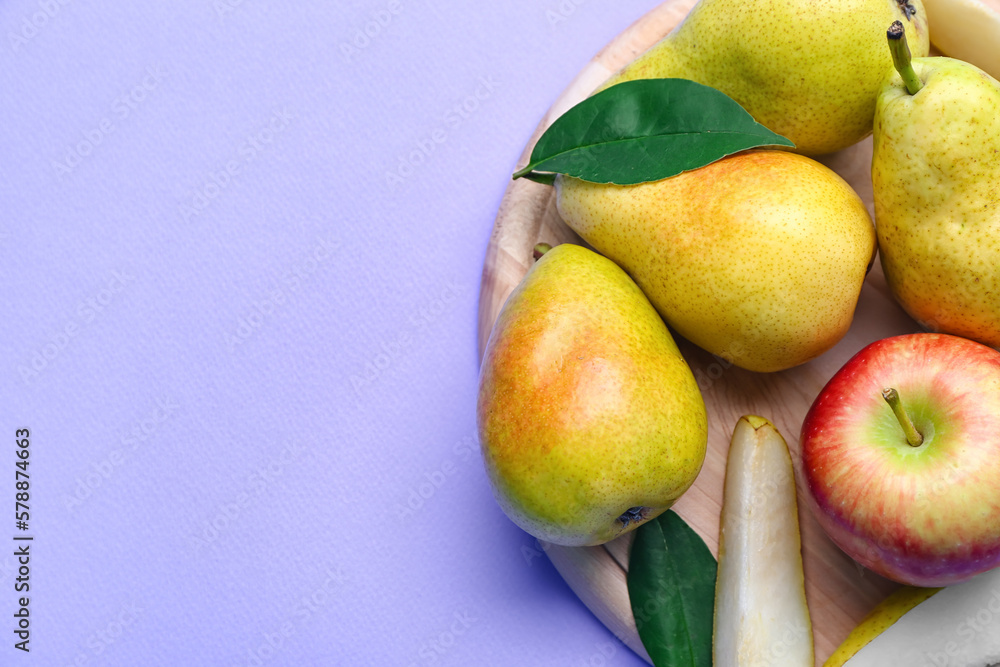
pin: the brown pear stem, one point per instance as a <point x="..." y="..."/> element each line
<point x="913" y="436"/>
<point x="902" y="59"/>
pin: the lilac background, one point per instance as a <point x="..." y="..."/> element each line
<point x="246" y="354"/>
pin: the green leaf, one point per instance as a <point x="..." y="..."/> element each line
<point x="671" y="586"/>
<point x="646" y="130"/>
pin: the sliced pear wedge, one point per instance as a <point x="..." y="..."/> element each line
<point x="968" y="30"/>
<point x="958" y="626"/>
<point x="761" y="617"/>
<point x="885" y="613"/>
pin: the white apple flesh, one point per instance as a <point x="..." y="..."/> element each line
<point x="924" y="514"/>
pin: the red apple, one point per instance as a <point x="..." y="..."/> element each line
<point x="922" y="509"/>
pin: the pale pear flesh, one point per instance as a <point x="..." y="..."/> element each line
<point x="761" y="616"/>
<point x="590" y="421"/>
<point x="808" y="70"/>
<point x="958" y="626"/>
<point x="885" y="613"/>
<point x="758" y="258"/>
<point x="936" y="181"/>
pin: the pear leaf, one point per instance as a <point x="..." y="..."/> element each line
<point x="671" y="587"/>
<point x="645" y="130"/>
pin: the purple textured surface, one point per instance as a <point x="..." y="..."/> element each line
<point x="240" y="253"/>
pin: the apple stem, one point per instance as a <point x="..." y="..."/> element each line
<point x="913" y="436"/>
<point x="901" y="57"/>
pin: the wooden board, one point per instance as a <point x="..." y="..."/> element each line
<point x="839" y="591"/>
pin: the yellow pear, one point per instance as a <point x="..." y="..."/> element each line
<point x="807" y="70"/>
<point x="590" y="421"/>
<point x="758" y="258"/>
<point x="936" y="182"/>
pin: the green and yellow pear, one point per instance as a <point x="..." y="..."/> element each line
<point x="936" y="182"/>
<point x="807" y="70"/>
<point x="590" y="421"/>
<point x="758" y="258"/>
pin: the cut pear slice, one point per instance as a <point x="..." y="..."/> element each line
<point x="761" y="617"/>
<point x="968" y="30"/>
<point x="958" y="626"/>
<point x="885" y="613"/>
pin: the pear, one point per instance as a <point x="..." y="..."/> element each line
<point x="758" y="258"/>
<point x="967" y="30"/>
<point x="761" y="616"/>
<point x="936" y="183"/>
<point x="885" y="613"/>
<point x="590" y="421"/>
<point x="807" y="70"/>
<point x="958" y="626"/>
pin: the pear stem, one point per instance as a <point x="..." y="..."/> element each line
<point x="532" y="175"/>
<point x="901" y="57"/>
<point x="913" y="436"/>
<point x="540" y="249"/>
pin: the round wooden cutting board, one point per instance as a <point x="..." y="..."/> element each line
<point x="839" y="591"/>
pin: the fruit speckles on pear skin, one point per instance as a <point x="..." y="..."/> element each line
<point x="786" y="63"/>
<point x="710" y="248"/>
<point x="586" y="407"/>
<point x="936" y="178"/>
